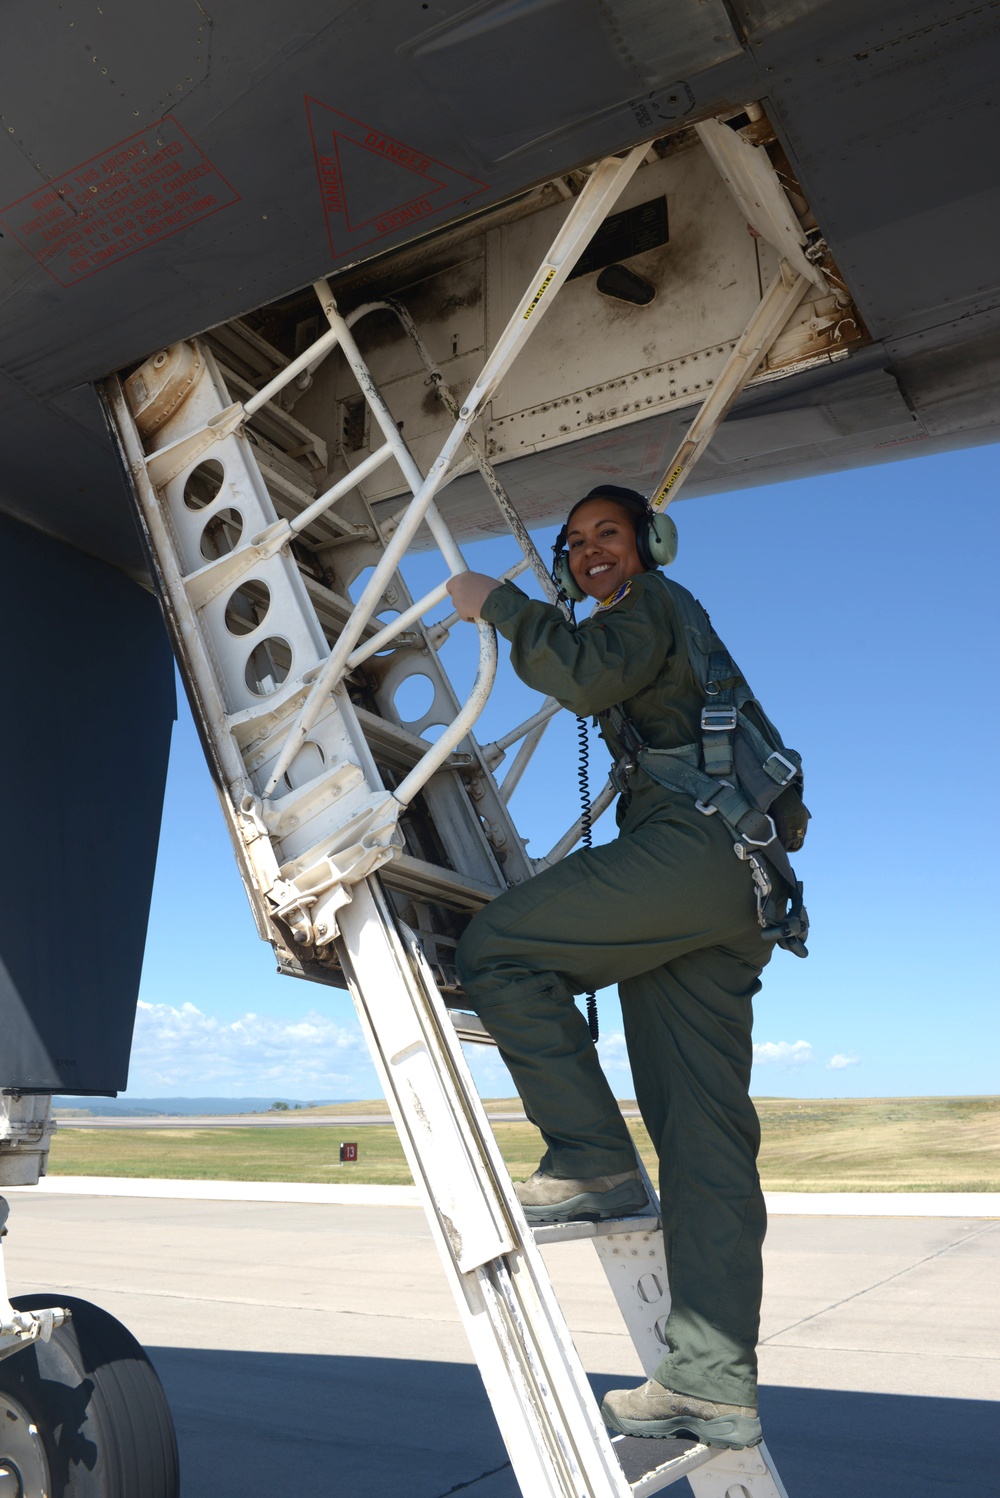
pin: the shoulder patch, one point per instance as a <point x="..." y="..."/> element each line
<point x="615" y="597"/>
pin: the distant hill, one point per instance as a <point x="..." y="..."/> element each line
<point x="173" y="1107"/>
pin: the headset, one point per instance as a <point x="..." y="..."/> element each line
<point x="655" y="537"/>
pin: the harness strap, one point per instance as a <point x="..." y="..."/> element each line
<point x="718" y="716"/>
<point x="753" y="828"/>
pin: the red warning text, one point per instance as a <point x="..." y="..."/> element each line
<point x="140" y="191"/>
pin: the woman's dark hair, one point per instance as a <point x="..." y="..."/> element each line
<point x="635" y="505"/>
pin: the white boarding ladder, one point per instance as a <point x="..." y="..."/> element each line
<point x="364" y="847"/>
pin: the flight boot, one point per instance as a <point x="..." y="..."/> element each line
<point x="652" y="1410"/>
<point x="546" y="1198"/>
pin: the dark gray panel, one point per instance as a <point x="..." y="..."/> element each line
<point x="84" y="763"/>
<point x="886" y="110"/>
<point x="60" y="473"/>
<point x="115" y="89"/>
<point x="607" y="55"/>
<point x="954" y="390"/>
<point x="888" y="113"/>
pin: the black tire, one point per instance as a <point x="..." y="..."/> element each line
<point x="100" y="1409"/>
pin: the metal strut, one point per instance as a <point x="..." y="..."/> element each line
<point x="362" y="843"/>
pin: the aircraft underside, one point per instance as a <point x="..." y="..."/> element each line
<point x="288" y="293"/>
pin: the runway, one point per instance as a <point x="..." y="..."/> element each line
<point x="288" y="1120"/>
<point x="316" y="1349"/>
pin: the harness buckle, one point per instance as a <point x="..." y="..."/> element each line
<point x="746" y="841"/>
<point x="790" y="770"/>
<point x="762" y="886"/>
<point x="718" y="719"/>
<point x="619" y="774"/>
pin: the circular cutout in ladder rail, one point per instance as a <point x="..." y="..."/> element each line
<point x="413" y="698"/>
<point x="222" y="534"/>
<point x="268" y="666"/>
<point x="247" y="609"/>
<point x="203" y="483"/>
<point x="306" y="765"/>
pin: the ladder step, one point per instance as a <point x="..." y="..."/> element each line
<point x="611" y="1227"/>
<point x="650" y="1464"/>
<point x="470" y="1027"/>
<point x="260" y="359"/>
<point x="430" y="881"/>
<point x="276" y="425"/>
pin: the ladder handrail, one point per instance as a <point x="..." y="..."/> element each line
<point x="604" y="185"/>
<point x="453" y="735"/>
<point x="496" y="488"/>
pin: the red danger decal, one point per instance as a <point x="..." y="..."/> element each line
<point x="147" y="187"/>
<point x="372" y="184"/>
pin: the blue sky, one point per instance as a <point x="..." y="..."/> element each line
<point x="862" y="607"/>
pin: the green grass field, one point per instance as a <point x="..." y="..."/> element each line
<point x="866" y="1144"/>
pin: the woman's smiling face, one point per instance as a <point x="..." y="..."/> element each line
<point x="600" y="541"/>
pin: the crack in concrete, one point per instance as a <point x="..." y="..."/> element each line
<point x="462" y="1487"/>
<point x="989" y="1227"/>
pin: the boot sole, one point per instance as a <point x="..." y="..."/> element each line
<point x="732" y="1432"/>
<point x="591" y="1206"/>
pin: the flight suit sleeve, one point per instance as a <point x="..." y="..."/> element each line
<point x="590" y="666"/>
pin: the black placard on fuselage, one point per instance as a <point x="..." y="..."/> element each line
<point x="624" y="234"/>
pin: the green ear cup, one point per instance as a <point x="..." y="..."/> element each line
<point x="662" y="540"/>
<point x="564" y="579"/>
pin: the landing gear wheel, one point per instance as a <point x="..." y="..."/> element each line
<point x="84" y="1415"/>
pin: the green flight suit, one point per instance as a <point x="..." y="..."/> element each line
<point x="668" y="912"/>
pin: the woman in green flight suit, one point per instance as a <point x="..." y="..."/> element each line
<point x="668" y="913"/>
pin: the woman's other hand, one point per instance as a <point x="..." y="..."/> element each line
<point x="469" y="591"/>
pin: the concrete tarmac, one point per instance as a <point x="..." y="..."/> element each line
<point x="316" y="1349"/>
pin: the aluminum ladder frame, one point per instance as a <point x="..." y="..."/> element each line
<point x="310" y="847"/>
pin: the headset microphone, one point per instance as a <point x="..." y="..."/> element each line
<point x="655" y="537"/>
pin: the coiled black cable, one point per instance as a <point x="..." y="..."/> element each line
<point x="586" y="835"/>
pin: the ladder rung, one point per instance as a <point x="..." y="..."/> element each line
<point x="470" y="1027"/>
<point x="397" y="746"/>
<point x="650" y="1465"/>
<point x="612" y="1227"/>
<point x="333" y="611"/>
<point x="276" y="424"/>
<point x="240" y="340"/>
<point x="428" y="881"/>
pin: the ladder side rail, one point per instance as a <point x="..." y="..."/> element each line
<point x="589" y="209"/>
<point x="536" y="1382"/>
<point x="604" y="185"/>
<point x="753" y="182"/>
<point x="396" y="626"/>
<point x="732" y="1474"/>
<point x="208" y="581"/>
<point x="256" y="861"/>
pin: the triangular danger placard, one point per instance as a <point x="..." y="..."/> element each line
<point x="373" y="185"/>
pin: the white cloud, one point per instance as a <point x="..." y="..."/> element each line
<point x="784" y="1053"/>
<point x="185" y="1050"/>
<point x="613" y="1053"/>
<point x="838" y="1062"/>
